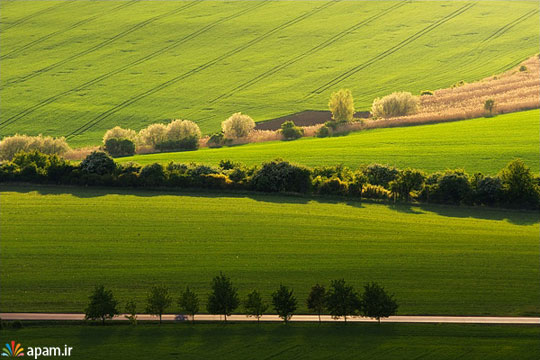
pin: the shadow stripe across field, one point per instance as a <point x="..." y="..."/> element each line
<point x="71" y="27"/>
<point x="82" y="129"/>
<point x="343" y="76"/>
<point x="139" y="61"/>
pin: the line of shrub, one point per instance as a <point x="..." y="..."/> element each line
<point x="514" y="186"/>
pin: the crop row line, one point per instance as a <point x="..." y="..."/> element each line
<point x="33" y="15"/>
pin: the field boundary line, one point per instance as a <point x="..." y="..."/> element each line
<point x="82" y="129"/>
<point x="60" y="31"/>
<point x="339" y="78"/>
<point x="442" y="319"/>
<point x="109" y="74"/>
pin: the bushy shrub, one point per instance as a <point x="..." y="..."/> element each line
<point x="453" y="186"/>
<point x="120" y="147"/>
<point x="332" y="186"/>
<point x="519" y="185"/>
<point x="487" y="189"/>
<point x="324" y="131"/>
<point x="216" y="140"/>
<point x="98" y="163"/>
<point x="406" y="181"/>
<point x="279" y="176"/>
<point x="341" y="105"/>
<point x="489" y="105"/>
<point x="11" y="145"/>
<point x="152" y="175"/>
<point x="458" y="84"/>
<point x="290" y="131"/>
<point x="378" y="174"/>
<point x="370" y="191"/>
<point x="522" y="68"/>
<point x="153" y="134"/>
<point x="190" y="143"/>
<point x="119" y="133"/>
<point x="340" y="171"/>
<point x="183" y="129"/>
<point x="426" y="93"/>
<point x="237" y="126"/>
<point x="395" y="104"/>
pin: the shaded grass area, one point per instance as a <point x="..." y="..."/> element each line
<point x="79" y="68"/>
<point x="59" y="242"/>
<point x="295" y="341"/>
<point x="479" y="145"/>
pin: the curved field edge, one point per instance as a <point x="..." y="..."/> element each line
<point x="436" y="259"/>
<point x="478" y="145"/>
<point x="125" y="67"/>
<point x="248" y="341"/>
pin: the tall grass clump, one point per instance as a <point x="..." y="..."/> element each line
<point x="395" y="104"/>
<point x="237" y="126"/>
<point x="341" y="105"/>
<point x="11" y="145"/>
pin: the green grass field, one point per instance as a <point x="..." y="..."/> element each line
<point x="484" y="145"/>
<point x="59" y="242"/>
<point x="77" y="68"/>
<point x="295" y="341"/>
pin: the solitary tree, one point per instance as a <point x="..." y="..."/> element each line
<point x="158" y="301"/>
<point x="102" y="305"/>
<point x="341" y="105"/>
<point x="376" y="303"/>
<point x="189" y="302"/>
<point x="255" y="306"/>
<point x="284" y="302"/>
<point x="342" y="300"/>
<point x="316" y="300"/>
<point x="489" y="105"/>
<point x="131" y="312"/>
<point x="223" y="299"/>
<point x="237" y="126"/>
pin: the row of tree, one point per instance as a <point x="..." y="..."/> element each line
<point x="340" y="301"/>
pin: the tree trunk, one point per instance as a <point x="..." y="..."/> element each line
<point x="379" y="320"/>
<point x="193" y="318"/>
<point x="103" y="320"/>
<point x="225" y="317"/>
<point x="345" y="317"/>
<point x="159" y="319"/>
<point x="319" y="318"/>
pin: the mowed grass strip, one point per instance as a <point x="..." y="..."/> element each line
<point x="479" y="145"/>
<point x="59" y="242"/>
<point x="150" y="61"/>
<point x="298" y="341"/>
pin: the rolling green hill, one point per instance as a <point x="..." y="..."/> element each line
<point x="436" y="259"/>
<point x="77" y="68"/>
<point x="485" y="145"/>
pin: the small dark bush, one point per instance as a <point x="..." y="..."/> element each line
<point x="189" y="143"/>
<point x="98" y="163"/>
<point x="452" y="187"/>
<point x="277" y="176"/>
<point x="227" y="164"/>
<point x="120" y="147"/>
<point x="152" y="175"/>
<point x="426" y="92"/>
<point x="324" y="131"/>
<point x="381" y="175"/>
<point x="487" y="190"/>
<point x="290" y="131"/>
<point x="522" y="68"/>
<point x="332" y="186"/>
<point x="216" y="140"/>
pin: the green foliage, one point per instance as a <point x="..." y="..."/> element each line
<point x="223" y="299"/>
<point x="131" y="312"/>
<point x="489" y="105"/>
<point x="237" y="126"/>
<point x="255" y="305"/>
<point x="488" y="190"/>
<point x="332" y="186"/>
<point x="452" y="186"/>
<point x="426" y="92"/>
<point x="324" y="131"/>
<point x="376" y="303"/>
<point x="341" y="104"/>
<point x="375" y="192"/>
<point x="281" y="176"/>
<point x="522" y="68"/>
<point x="98" y="163"/>
<point x="342" y="300"/>
<point x="382" y="175"/>
<point x="158" y="301"/>
<point x="189" y="303"/>
<point x="11" y="145"/>
<point x="216" y="140"/>
<point x="284" y="302"/>
<point x="290" y="131"/>
<point x="316" y="300"/>
<point x="188" y="143"/>
<point x="406" y="181"/>
<point x="519" y="185"/>
<point x="120" y="147"/>
<point x="152" y="175"/>
<point x="102" y="305"/>
<point x="395" y="104"/>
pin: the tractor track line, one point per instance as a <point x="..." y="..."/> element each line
<point x="71" y="27"/>
<point x="100" y="45"/>
<point x="33" y="15"/>
<point x="336" y="80"/>
<point x="509" y="26"/>
<point x="194" y="71"/>
<point x="310" y="52"/>
<point x="105" y="76"/>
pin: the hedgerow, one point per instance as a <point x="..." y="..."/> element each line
<point x="515" y="186"/>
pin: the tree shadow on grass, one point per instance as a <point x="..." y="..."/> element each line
<point x="516" y="217"/>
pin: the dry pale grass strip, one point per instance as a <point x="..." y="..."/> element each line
<point x="80" y="153"/>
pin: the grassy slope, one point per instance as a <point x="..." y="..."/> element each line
<point x="125" y="66"/>
<point x="296" y="341"/>
<point x="436" y="259"/>
<point x="484" y="145"/>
